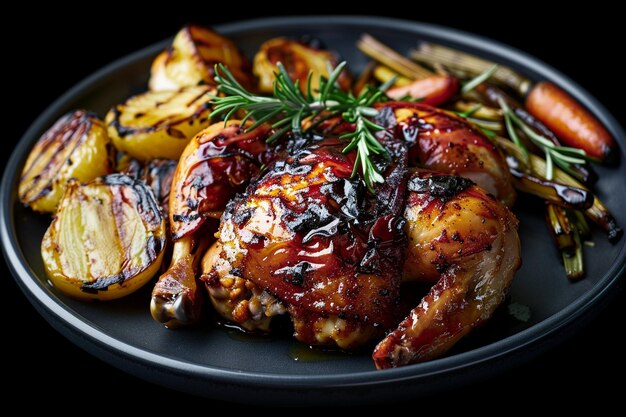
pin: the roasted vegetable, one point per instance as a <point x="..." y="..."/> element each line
<point x="572" y="123"/>
<point x="567" y="239"/>
<point x="298" y="59"/>
<point x="387" y="56"/>
<point x="434" y="90"/>
<point x="385" y="74"/>
<point x="159" y="124"/>
<point x="78" y="147"/>
<point x="553" y="192"/>
<point x="411" y="80"/>
<point x="467" y="65"/>
<point x="533" y="128"/>
<point x="598" y="212"/>
<point x="192" y="57"/>
<point x="478" y="110"/>
<point x="106" y="240"/>
<point x="158" y="175"/>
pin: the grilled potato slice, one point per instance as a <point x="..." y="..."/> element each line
<point x="192" y="57"/>
<point x="77" y="146"/>
<point x="298" y="59"/>
<point x="106" y="240"/>
<point x="159" y="124"/>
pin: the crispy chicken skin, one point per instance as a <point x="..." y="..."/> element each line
<point x="217" y="163"/>
<point x="467" y="241"/>
<point x="302" y="233"/>
<point x="441" y="141"/>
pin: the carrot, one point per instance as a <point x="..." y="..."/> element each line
<point x="570" y="121"/>
<point x="433" y="90"/>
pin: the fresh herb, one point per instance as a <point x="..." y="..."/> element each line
<point x="479" y="79"/>
<point x="289" y="107"/>
<point x="563" y="156"/>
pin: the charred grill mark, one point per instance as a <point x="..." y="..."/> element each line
<point x="175" y="133"/>
<point x="146" y="201"/>
<point x="101" y="236"/>
<point x="154" y="246"/>
<point x="204" y="106"/>
<point x="127" y="191"/>
<point x="121" y="129"/>
<point x="441" y="141"/>
<point x="102" y="284"/>
<point x="57" y="143"/>
<point x="158" y="175"/>
<point x="167" y="122"/>
<point x="122" y="240"/>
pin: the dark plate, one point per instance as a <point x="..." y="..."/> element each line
<point x="221" y="363"/>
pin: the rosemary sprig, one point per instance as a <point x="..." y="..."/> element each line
<point x="479" y="79"/>
<point x="563" y="156"/>
<point x="289" y="107"/>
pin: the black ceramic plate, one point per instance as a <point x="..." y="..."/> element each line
<point x="219" y="362"/>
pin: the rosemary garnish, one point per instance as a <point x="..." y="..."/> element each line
<point x="289" y="107"/>
<point x="479" y="79"/>
<point x="563" y="156"/>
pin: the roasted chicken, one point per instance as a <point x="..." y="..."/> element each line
<point x="215" y="165"/>
<point x="306" y="239"/>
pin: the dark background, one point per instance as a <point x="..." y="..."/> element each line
<point x="50" y="51"/>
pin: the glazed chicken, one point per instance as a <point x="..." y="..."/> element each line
<point x="306" y="238"/>
<point x="216" y="164"/>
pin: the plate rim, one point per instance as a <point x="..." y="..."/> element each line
<point x="55" y="311"/>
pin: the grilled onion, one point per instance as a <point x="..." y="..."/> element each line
<point x="77" y="146"/>
<point x="106" y="240"/>
<point x="191" y="60"/>
<point x="298" y="59"/>
<point x="158" y="175"/>
<point x="159" y="124"/>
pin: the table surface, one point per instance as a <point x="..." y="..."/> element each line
<point x="51" y="54"/>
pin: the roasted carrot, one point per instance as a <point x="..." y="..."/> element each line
<point x="570" y="121"/>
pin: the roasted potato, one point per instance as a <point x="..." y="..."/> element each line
<point x="191" y="60"/>
<point x="298" y="59"/>
<point x="106" y="240"/>
<point x="159" y="124"/>
<point x="77" y="146"/>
